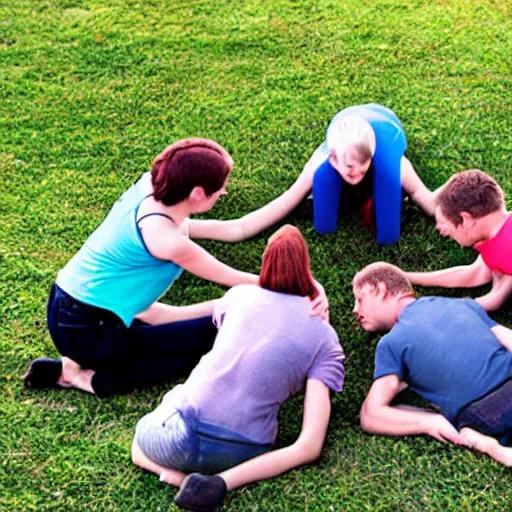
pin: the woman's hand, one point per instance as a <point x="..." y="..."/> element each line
<point x="319" y="306"/>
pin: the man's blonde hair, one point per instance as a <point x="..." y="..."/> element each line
<point x="381" y="272"/>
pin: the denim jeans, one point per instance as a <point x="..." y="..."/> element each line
<point x="179" y="440"/>
<point x="491" y="414"/>
<point x="125" y="358"/>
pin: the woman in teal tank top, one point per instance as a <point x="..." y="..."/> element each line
<point x="103" y="311"/>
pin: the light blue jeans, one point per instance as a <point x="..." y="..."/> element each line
<point x="180" y="441"/>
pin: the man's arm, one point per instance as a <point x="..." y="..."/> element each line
<point x="499" y="293"/>
<point x="504" y="336"/>
<point x="413" y="185"/>
<point x="379" y="417"/>
<point x="258" y="220"/>
<point x="464" y="276"/>
<point x="159" y="313"/>
<point x="307" y="448"/>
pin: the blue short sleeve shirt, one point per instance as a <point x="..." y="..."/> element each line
<point x="446" y="351"/>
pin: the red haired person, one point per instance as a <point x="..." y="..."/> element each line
<point x="223" y="420"/>
<point x="103" y="314"/>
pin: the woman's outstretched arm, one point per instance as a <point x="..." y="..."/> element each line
<point x="253" y="223"/>
<point x="168" y="244"/>
<point x="307" y="448"/>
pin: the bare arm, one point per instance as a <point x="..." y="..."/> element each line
<point x="464" y="276"/>
<point x="258" y="220"/>
<point x="499" y="293"/>
<point x="504" y="336"/>
<point x="167" y="243"/>
<point x="379" y="417"/>
<point x="307" y="448"/>
<point x="159" y="313"/>
<point x="413" y="185"/>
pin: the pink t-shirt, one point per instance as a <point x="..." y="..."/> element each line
<point x="497" y="251"/>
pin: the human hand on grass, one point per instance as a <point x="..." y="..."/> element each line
<point x="438" y="427"/>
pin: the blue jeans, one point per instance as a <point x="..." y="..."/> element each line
<point x="491" y="415"/>
<point x="178" y="440"/>
<point x="125" y="359"/>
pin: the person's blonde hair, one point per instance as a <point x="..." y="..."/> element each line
<point x="361" y="151"/>
<point x="381" y="272"/>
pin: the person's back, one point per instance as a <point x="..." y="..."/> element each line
<point x="447" y="352"/>
<point x="267" y="345"/>
<point x="267" y="348"/>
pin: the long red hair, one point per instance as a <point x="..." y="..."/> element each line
<point x="285" y="265"/>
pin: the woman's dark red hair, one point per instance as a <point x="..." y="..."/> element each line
<point x="186" y="164"/>
<point x="285" y="265"/>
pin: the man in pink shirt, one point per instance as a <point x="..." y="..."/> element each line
<point x="471" y="210"/>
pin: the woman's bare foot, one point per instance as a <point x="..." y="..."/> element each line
<point x="74" y="376"/>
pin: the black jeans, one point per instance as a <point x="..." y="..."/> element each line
<point x="125" y="359"/>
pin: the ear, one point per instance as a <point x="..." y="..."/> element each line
<point x="381" y="289"/>
<point x="468" y="221"/>
<point x="197" y="195"/>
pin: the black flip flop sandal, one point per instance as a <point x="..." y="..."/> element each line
<point x="43" y="373"/>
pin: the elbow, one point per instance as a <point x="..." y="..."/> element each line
<point x="310" y="452"/>
<point x="236" y="231"/>
<point x="366" y="419"/>
<point x="313" y="454"/>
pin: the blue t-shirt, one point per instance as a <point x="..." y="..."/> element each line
<point x="445" y="350"/>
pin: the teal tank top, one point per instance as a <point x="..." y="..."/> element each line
<point x="114" y="270"/>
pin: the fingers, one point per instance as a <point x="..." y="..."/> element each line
<point x="453" y="436"/>
<point x="438" y="436"/>
<point x="317" y="307"/>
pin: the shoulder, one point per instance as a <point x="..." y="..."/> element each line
<point x="393" y="339"/>
<point x="329" y="334"/>
<point x="242" y="293"/>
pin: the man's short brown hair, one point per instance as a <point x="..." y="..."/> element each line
<point x="380" y="272"/>
<point x="470" y="191"/>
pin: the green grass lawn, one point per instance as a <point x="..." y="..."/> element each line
<point x="91" y="91"/>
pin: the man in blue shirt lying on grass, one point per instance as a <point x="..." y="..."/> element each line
<point x="449" y="351"/>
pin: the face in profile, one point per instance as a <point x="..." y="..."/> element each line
<point x="370" y="308"/>
<point x="461" y="233"/>
<point x="211" y="200"/>
<point x="204" y="203"/>
<point x="349" y="166"/>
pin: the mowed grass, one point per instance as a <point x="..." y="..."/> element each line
<point x="92" y="91"/>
